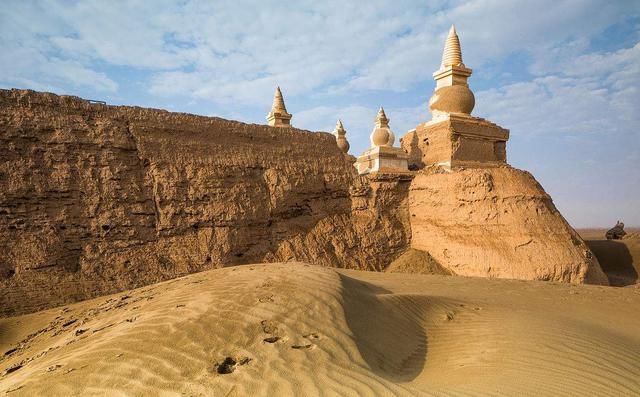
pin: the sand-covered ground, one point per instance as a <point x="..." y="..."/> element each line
<point x="295" y="329"/>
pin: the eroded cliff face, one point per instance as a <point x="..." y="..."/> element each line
<point x="96" y="199"/>
<point x="496" y="222"/>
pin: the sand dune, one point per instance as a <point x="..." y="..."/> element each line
<point x="295" y="329"/>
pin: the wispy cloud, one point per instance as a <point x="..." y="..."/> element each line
<point x="551" y="71"/>
<point x="587" y="94"/>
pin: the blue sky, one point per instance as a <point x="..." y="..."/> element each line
<point x="562" y="75"/>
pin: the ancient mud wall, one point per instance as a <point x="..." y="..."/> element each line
<point x="96" y="199"/>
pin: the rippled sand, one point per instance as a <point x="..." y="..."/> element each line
<point x="295" y="329"/>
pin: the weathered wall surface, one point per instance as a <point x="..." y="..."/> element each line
<point x="496" y="222"/>
<point x="96" y="199"/>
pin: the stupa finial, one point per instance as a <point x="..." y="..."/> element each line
<point x="278" y="117"/>
<point x="452" y="94"/>
<point x="381" y="119"/>
<point x="452" y="54"/>
<point x="382" y="134"/>
<point x="341" y="139"/>
<point x="278" y="101"/>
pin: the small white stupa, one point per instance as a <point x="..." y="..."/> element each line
<point x="382" y="156"/>
<point x="341" y="139"/>
<point x="278" y="116"/>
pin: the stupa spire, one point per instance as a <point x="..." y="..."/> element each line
<point x="452" y="94"/>
<point x="278" y="117"/>
<point x="452" y="54"/>
<point x="381" y="119"/>
<point x="453" y="137"/>
<point x="341" y="139"/>
<point x="278" y="101"/>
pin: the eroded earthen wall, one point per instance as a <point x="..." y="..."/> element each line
<point x="428" y="144"/>
<point x="96" y="199"/>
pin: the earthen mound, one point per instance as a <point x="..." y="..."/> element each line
<point x="496" y="222"/>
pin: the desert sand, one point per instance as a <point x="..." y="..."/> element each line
<point x="297" y="329"/>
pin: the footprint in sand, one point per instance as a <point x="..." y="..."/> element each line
<point x="80" y="331"/>
<point x="52" y="368"/>
<point x="312" y="335"/>
<point x="12" y="369"/>
<point x="10" y="352"/>
<point x="269" y="327"/>
<point x="265" y="299"/>
<point x="229" y="364"/>
<point x="305" y="346"/>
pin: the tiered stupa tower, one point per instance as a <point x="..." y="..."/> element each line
<point x="278" y="117"/>
<point x="470" y="211"/>
<point x="341" y="139"/>
<point x="382" y="156"/>
<point x="452" y="94"/>
<point x="454" y="138"/>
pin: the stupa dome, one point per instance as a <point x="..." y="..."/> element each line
<point x="452" y="99"/>
<point x="382" y="134"/>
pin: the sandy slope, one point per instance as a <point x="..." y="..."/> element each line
<point x="294" y="329"/>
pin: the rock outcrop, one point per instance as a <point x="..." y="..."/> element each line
<point x="496" y="222"/>
<point x="96" y="199"/>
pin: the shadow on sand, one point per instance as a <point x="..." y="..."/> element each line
<point x="389" y="329"/>
<point x="615" y="260"/>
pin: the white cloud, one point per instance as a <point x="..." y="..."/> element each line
<point x="592" y="93"/>
<point x="28" y="60"/>
<point x="229" y="56"/>
<point x="576" y="128"/>
<point x="236" y="52"/>
<point x="489" y="30"/>
<point x="300" y="47"/>
<point x="130" y="33"/>
<point x="30" y="68"/>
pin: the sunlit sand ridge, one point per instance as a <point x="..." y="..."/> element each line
<point x="306" y="330"/>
